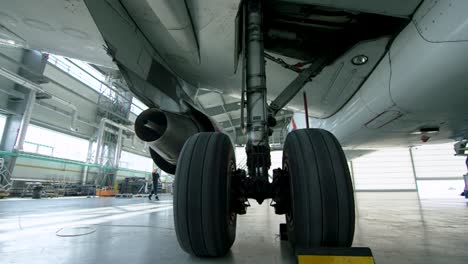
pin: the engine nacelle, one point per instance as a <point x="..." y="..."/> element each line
<point x="166" y="133"/>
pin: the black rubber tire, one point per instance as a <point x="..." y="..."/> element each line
<point x="204" y="223"/>
<point x="322" y="199"/>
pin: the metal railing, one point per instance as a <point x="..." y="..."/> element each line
<point x="81" y="75"/>
<point x="88" y="79"/>
<point x="37" y="148"/>
<point x="65" y="163"/>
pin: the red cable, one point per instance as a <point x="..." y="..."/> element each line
<point x="306" y="109"/>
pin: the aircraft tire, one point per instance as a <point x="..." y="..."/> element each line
<point x="322" y="200"/>
<point x="204" y="224"/>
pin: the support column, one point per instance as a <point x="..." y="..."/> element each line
<point x="414" y="170"/>
<point x="351" y="169"/>
<point x="118" y="148"/>
<point x="100" y="139"/>
<point x="31" y="100"/>
<point x="84" y="177"/>
<point x="356" y="200"/>
<point x="17" y="124"/>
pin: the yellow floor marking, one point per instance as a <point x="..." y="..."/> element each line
<point x="304" y="259"/>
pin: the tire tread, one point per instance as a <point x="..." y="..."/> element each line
<point x="323" y="203"/>
<point x="201" y="195"/>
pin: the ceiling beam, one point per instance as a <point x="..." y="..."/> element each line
<point x="217" y="110"/>
<point x="236" y="122"/>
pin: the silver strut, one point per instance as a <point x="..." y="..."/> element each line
<point x="258" y="151"/>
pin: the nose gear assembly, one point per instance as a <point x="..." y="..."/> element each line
<point x="312" y="189"/>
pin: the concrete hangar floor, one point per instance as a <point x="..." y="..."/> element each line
<point x="398" y="227"/>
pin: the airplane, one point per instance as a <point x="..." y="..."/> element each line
<point x="363" y="74"/>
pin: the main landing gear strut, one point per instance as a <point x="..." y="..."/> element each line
<point x="313" y="189"/>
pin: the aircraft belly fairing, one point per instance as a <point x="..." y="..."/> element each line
<point x="425" y="61"/>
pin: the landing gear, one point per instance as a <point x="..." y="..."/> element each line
<point x="204" y="222"/>
<point x="322" y="205"/>
<point x="313" y="189"/>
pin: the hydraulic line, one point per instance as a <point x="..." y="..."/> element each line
<point x="306" y="109"/>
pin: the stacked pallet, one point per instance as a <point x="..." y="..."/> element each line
<point x="106" y="193"/>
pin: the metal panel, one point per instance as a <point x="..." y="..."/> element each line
<point x="2" y="125"/>
<point x="427" y="83"/>
<point x="402" y="8"/>
<point x="55" y="26"/>
<point x="339" y="81"/>
<point x="435" y="17"/>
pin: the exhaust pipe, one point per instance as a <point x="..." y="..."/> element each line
<point x="166" y="133"/>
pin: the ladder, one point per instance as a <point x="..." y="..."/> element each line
<point x="5" y="175"/>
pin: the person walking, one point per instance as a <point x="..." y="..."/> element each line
<point x="155" y="175"/>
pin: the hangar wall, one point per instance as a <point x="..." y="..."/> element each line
<point x="36" y="168"/>
<point x="57" y="117"/>
<point x="426" y="170"/>
<point x="388" y="170"/>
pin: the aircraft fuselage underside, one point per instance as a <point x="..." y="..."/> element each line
<point x="346" y="60"/>
<point x="373" y="73"/>
<point x="206" y="159"/>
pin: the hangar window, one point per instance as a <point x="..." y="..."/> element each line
<point x="440" y="188"/>
<point x="137" y="106"/>
<point x="438" y="171"/>
<point x="47" y="142"/>
<point x="38" y="148"/>
<point x="388" y="169"/>
<point x="438" y="162"/>
<point x="2" y="125"/>
<point x="135" y="162"/>
<point x="84" y="73"/>
<point x="91" y="77"/>
<point x="276" y="160"/>
<point x="432" y="170"/>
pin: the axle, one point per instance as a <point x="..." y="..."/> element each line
<point x="244" y="188"/>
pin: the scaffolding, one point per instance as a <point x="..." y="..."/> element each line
<point x="5" y="183"/>
<point x="116" y="107"/>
